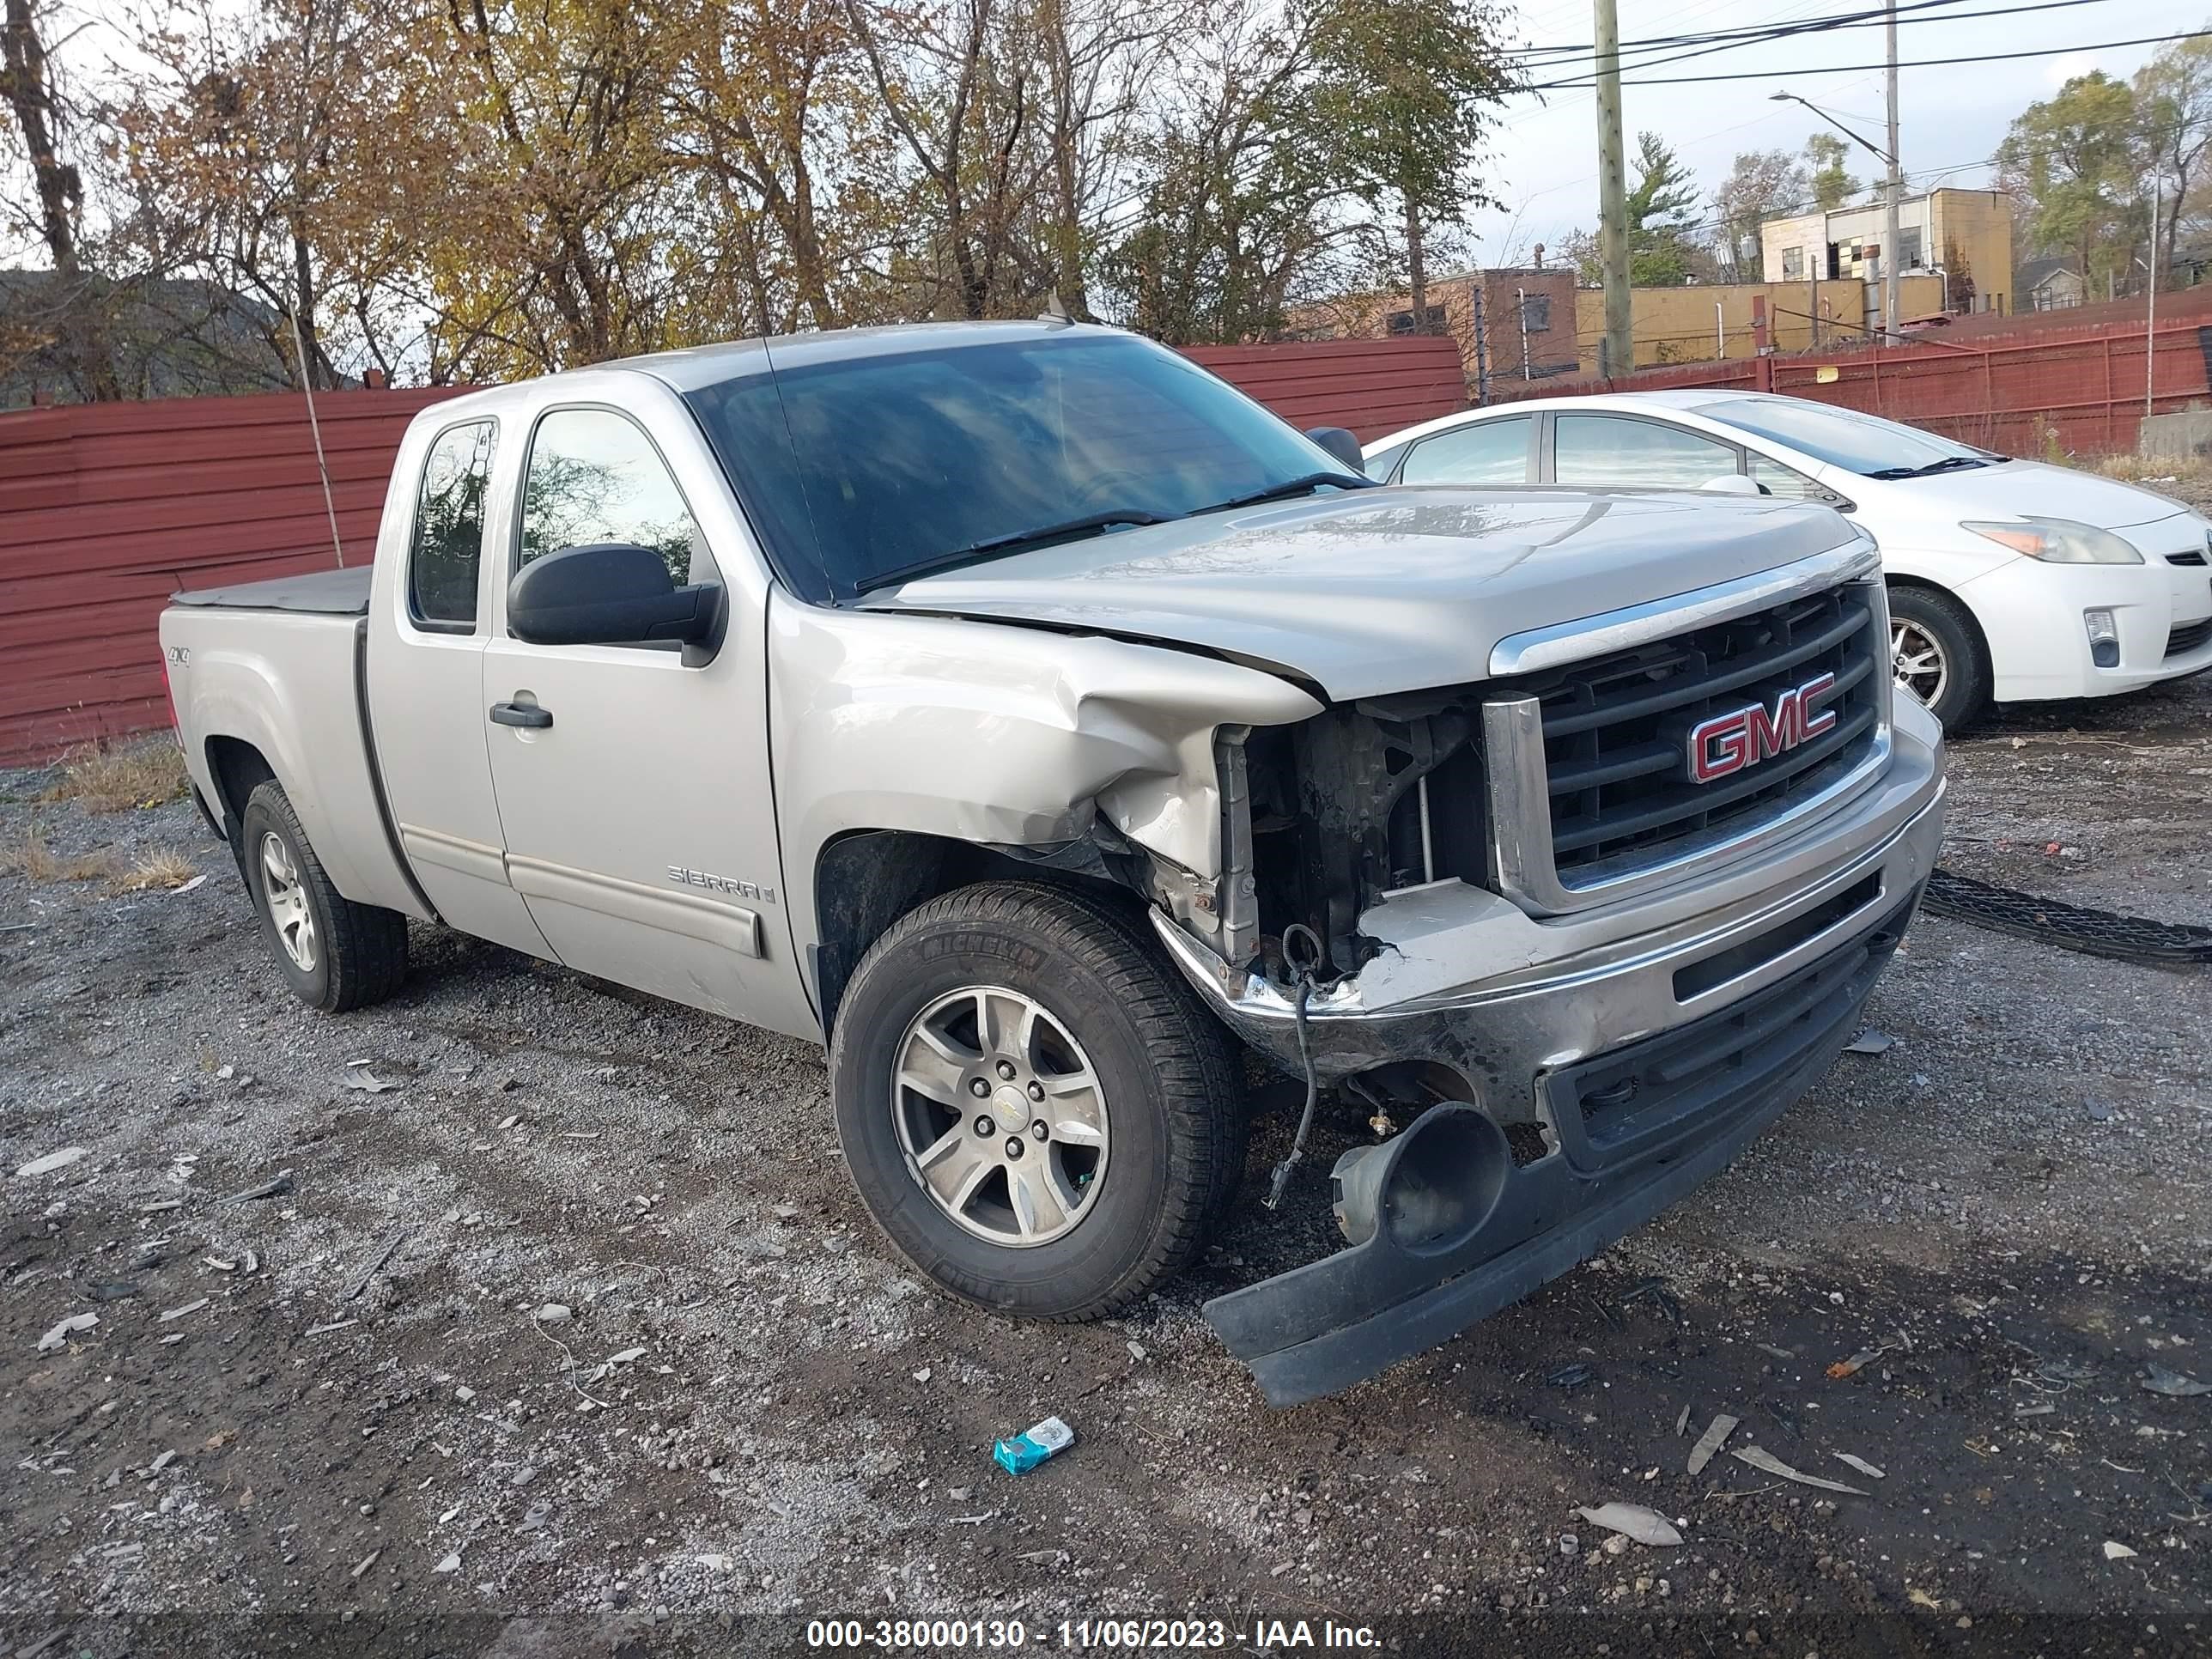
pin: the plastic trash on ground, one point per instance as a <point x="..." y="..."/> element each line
<point x="1018" y="1454"/>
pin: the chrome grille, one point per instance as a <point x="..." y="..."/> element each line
<point x="1617" y="798"/>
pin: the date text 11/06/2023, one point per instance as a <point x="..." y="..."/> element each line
<point x="1119" y="1635"/>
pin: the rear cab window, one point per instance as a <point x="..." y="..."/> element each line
<point x="445" y="556"/>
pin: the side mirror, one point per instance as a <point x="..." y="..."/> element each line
<point x="1731" y="483"/>
<point x="1341" y="444"/>
<point x="607" y="593"/>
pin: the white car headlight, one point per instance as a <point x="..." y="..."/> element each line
<point x="2058" y="541"/>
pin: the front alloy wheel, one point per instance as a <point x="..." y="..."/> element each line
<point x="1000" y="1116"/>
<point x="1040" y="1115"/>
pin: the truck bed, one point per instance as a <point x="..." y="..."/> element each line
<point x="276" y="668"/>
<point x="318" y="594"/>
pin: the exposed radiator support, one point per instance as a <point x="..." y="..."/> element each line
<point x="1239" y="897"/>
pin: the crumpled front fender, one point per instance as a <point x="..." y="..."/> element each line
<point x="997" y="734"/>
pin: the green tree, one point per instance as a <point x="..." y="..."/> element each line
<point x="2077" y="158"/>
<point x="1235" y="202"/>
<point x="1662" y="250"/>
<point x="1404" y="96"/>
<point x="1659" y="251"/>
<point x="1829" y="180"/>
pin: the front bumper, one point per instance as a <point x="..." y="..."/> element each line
<point x="1652" y="1047"/>
<point x="2030" y="613"/>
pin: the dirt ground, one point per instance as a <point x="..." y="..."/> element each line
<point x="330" y="1420"/>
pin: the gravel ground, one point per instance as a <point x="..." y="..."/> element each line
<point x="330" y="1420"/>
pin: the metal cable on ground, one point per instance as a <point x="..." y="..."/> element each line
<point x="2069" y="926"/>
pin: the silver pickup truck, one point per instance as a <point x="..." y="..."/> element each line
<point x="1046" y="727"/>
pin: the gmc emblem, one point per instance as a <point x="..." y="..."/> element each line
<point x="1727" y="744"/>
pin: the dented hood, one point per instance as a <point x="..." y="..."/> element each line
<point x="1384" y="590"/>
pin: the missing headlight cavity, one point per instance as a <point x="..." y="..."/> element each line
<point x="1394" y="1095"/>
<point x="1355" y="802"/>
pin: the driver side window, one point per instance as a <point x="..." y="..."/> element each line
<point x="595" y="477"/>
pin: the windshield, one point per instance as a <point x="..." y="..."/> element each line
<point x="862" y="469"/>
<point x="1864" y="444"/>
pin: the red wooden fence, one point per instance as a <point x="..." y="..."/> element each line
<point x="1372" y="386"/>
<point x="2045" y="381"/>
<point x="106" y="510"/>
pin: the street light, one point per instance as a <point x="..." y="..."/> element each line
<point x="1890" y="184"/>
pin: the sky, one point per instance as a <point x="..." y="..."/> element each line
<point x="1950" y="119"/>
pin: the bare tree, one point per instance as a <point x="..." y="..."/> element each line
<point x="27" y="77"/>
<point x="1761" y="184"/>
<point x="2173" y="94"/>
<point x="1100" y="59"/>
<point x="962" y="99"/>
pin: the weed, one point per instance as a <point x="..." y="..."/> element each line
<point x="111" y="777"/>
<point x="2158" y="473"/>
<point x="164" y="866"/>
<point x="32" y="857"/>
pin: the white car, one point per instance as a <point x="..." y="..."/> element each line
<point x="2009" y="580"/>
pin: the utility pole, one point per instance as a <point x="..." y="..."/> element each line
<point x="1481" y="350"/>
<point x="1617" y="353"/>
<point x="1890" y="262"/>
<point x="1891" y="183"/>
<point x="2150" y="298"/>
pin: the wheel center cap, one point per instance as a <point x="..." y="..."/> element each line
<point x="1011" y="1108"/>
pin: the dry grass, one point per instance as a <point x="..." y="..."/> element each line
<point x="32" y="857"/>
<point x="164" y="866"/>
<point x="2136" y="468"/>
<point x="115" y="777"/>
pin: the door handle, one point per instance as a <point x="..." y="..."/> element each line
<point x="526" y="716"/>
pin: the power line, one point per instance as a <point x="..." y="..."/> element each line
<point x="1735" y="40"/>
<point x="1749" y="31"/>
<point x="1787" y="16"/>
<point x="1915" y="63"/>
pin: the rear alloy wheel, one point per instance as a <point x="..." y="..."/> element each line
<point x="1038" y="1112"/>
<point x="1922" y="667"/>
<point x="289" y="913"/>
<point x="335" y="954"/>
<point x="1936" y="653"/>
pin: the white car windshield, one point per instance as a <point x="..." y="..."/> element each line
<point x="1864" y="444"/>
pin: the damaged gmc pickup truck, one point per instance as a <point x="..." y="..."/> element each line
<point x="1043" y="726"/>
